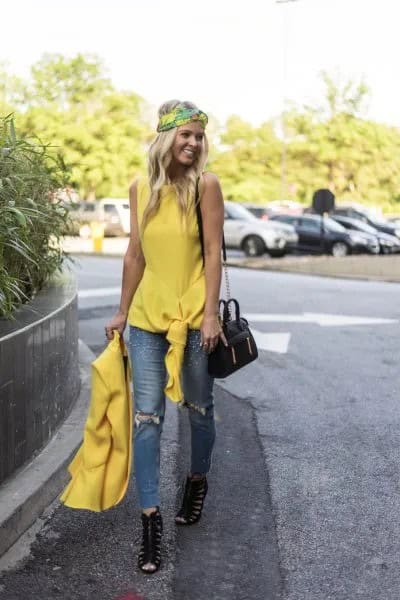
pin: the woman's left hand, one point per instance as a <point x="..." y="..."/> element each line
<point x="211" y="332"/>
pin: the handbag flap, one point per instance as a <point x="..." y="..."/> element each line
<point x="236" y="331"/>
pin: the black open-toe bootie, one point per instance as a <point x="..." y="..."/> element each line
<point x="149" y="559"/>
<point x="193" y="500"/>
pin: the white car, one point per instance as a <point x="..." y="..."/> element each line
<point x="243" y="231"/>
<point x="113" y="212"/>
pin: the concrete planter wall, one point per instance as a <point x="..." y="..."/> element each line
<point x="39" y="374"/>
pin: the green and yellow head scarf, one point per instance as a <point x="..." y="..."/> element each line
<point x="180" y="116"/>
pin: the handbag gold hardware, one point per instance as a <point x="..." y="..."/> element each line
<point x="233" y="355"/>
<point x="249" y="345"/>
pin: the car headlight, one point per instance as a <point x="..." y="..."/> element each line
<point x="397" y="232"/>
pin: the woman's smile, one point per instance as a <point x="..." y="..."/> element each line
<point x="188" y="143"/>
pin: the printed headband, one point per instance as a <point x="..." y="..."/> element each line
<point x="181" y="116"/>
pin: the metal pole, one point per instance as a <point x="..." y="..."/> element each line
<point x="283" y="114"/>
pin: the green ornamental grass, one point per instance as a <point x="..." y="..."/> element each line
<point x="32" y="217"/>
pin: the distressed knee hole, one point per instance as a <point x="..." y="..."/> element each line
<point x="200" y="409"/>
<point x="146" y="419"/>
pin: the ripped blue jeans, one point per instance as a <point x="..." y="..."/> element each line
<point x="147" y="353"/>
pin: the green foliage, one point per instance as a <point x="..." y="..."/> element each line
<point x="344" y="97"/>
<point x="12" y="91"/>
<point x="100" y="132"/>
<point x="357" y="159"/>
<point x="248" y="161"/>
<point x="32" y="219"/>
<point x="330" y="146"/>
<point x="68" y="82"/>
<point x="103" y="133"/>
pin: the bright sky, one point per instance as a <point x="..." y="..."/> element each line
<point x="225" y="55"/>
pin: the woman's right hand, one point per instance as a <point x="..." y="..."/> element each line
<point x="117" y="322"/>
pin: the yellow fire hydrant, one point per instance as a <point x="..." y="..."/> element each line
<point x="97" y="235"/>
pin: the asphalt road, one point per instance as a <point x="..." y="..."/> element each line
<point x="304" y="499"/>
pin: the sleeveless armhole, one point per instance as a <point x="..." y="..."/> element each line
<point x="201" y="185"/>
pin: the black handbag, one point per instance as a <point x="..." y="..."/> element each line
<point x="241" y="349"/>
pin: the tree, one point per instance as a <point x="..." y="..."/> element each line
<point x="12" y="91"/>
<point x="248" y="160"/>
<point x="356" y="158"/>
<point x="70" y="82"/>
<point x="99" y="132"/>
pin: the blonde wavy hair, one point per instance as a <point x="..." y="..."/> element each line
<point x="159" y="159"/>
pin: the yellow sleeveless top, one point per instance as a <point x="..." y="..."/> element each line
<point x="171" y="295"/>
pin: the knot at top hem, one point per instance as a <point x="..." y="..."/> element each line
<point x="176" y="336"/>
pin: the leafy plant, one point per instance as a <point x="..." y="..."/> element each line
<point x="32" y="216"/>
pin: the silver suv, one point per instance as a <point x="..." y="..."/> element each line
<point x="113" y="212"/>
<point x="243" y="231"/>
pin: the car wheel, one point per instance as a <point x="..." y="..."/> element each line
<point x="253" y="246"/>
<point x="340" y="249"/>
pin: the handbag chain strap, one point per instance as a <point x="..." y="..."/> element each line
<point x="200" y="226"/>
<point x="227" y="283"/>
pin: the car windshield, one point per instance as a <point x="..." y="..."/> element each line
<point x="333" y="225"/>
<point x="361" y="226"/>
<point x="235" y="211"/>
<point x="377" y="221"/>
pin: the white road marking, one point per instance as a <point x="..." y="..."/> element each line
<point x="109" y="291"/>
<point x="273" y="342"/>
<point x="324" y="320"/>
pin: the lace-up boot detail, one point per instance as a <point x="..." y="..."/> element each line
<point x="193" y="500"/>
<point x="149" y="559"/>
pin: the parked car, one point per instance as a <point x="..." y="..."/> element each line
<point x="113" y="212"/>
<point x="287" y="207"/>
<point x="244" y="231"/>
<point x="363" y="214"/>
<point x="264" y="211"/>
<point x="258" y="210"/>
<point x="387" y="243"/>
<point x="323" y="235"/>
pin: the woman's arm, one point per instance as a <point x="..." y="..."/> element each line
<point x="212" y="212"/>
<point x="133" y="268"/>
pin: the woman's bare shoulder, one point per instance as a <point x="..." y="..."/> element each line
<point x="209" y="184"/>
<point x="134" y="186"/>
<point x="209" y="179"/>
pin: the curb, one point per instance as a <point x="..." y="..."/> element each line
<point x="317" y="266"/>
<point x="29" y="491"/>
<point x="312" y="262"/>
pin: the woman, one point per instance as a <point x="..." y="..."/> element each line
<point x="170" y="298"/>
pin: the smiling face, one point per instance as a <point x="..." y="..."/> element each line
<point x="188" y="144"/>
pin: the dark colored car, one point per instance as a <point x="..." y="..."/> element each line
<point x="366" y="217"/>
<point x="325" y="236"/>
<point x="387" y="243"/>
